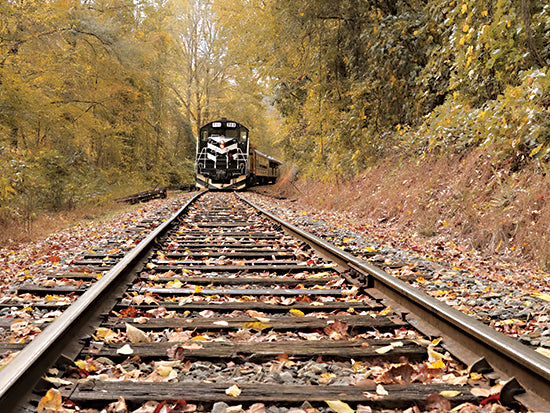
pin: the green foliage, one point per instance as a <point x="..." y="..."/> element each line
<point x="516" y="124"/>
<point x="356" y="81"/>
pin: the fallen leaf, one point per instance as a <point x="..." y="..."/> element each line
<point x="258" y="326"/>
<point x="386" y="310"/>
<point x="449" y="394"/>
<point x="384" y="350"/>
<point x="433" y="355"/>
<point x="135" y="335"/>
<point x="476" y="376"/>
<point x="436" y="402"/>
<point x="436" y="341"/>
<point x="296" y="312"/>
<point x="57" y="381"/>
<point x="118" y="407"/>
<point x="51" y="402"/>
<point x="149" y="407"/>
<point x="284" y="358"/>
<point x="104" y="333"/>
<point x="543" y="351"/>
<point x="339" y="406"/>
<point x="391" y="346"/>
<point x="480" y="392"/>
<point x="125" y="350"/>
<point x="256" y="408"/>
<point x="221" y="323"/>
<point x="380" y="390"/>
<point x="233" y="391"/>
<point x="439" y="364"/>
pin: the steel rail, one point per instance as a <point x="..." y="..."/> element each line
<point x="19" y="376"/>
<point x="502" y="353"/>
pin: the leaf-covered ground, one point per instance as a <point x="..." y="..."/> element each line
<point x="31" y="262"/>
<point x="511" y="296"/>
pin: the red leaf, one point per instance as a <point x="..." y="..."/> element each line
<point x="492" y="398"/>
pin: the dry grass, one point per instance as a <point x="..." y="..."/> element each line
<point x="463" y="198"/>
<point x="14" y="231"/>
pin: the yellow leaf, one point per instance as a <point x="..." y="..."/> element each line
<point x="484" y="13"/>
<point x="50" y="402"/>
<point x="339" y="407"/>
<point x="464" y="9"/>
<point x="105" y="333"/>
<point x="233" y="391"/>
<point x="84" y="365"/>
<point x="258" y="326"/>
<point x="164" y="371"/>
<point x="174" y="284"/>
<point x="198" y="289"/>
<point x="536" y="150"/>
<point x="296" y="312"/>
<point x="437" y="365"/>
<point x="436" y="341"/>
<point x="476" y="376"/>
<point x="449" y="393"/>
<point x="386" y="310"/>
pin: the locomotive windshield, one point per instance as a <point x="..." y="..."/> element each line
<point x="227" y="129"/>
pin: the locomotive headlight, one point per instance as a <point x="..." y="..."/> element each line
<point x="222" y="144"/>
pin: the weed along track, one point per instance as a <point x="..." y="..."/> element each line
<point x="225" y="309"/>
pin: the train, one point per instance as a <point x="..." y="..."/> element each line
<point x="225" y="159"/>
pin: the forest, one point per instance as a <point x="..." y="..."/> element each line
<point x="99" y="98"/>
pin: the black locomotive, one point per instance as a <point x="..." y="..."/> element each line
<point x="226" y="160"/>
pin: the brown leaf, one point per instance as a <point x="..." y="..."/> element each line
<point x="283" y="357"/>
<point x="256" y="408"/>
<point x="437" y="402"/>
<point x="336" y="330"/>
<point x="402" y="374"/>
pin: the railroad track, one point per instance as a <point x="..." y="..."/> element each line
<point x="220" y="308"/>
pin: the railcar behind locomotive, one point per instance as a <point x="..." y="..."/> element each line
<point x="225" y="159"/>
